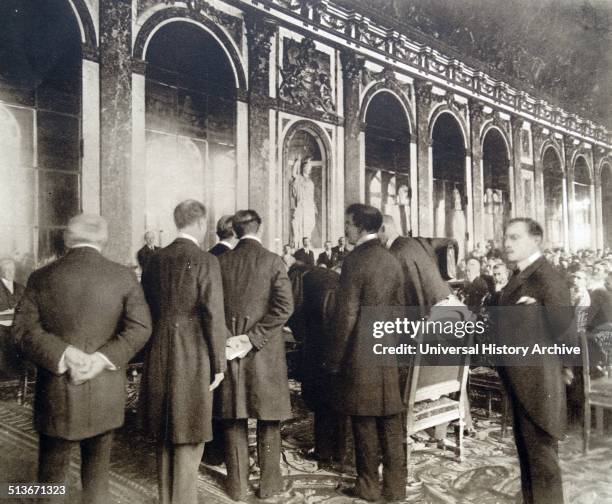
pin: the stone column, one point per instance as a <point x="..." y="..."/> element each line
<point x="414" y="184"/>
<point x="423" y="96"/>
<point x="354" y="180"/>
<point x="91" y="135"/>
<point x="116" y="125"/>
<point x="538" y="166"/>
<point x="477" y="193"/>
<point x="598" y="155"/>
<point x="139" y="157"/>
<point x="518" y="201"/>
<point x="260" y="31"/>
<point x="242" y="154"/>
<point x="568" y="149"/>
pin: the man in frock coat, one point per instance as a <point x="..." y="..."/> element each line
<point x="537" y="392"/>
<point x="367" y="390"/>
<point x="186" y="353"/>
<point x="80" y="321"/>
<point x="258" y="302"/>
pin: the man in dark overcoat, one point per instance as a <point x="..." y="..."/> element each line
<point x="227" y="241"/>
<point x="186" y="353"/>
<point x="80" y="321"/>
<point x="10" y="294"/>
<point x="542" y="314"/>
<point x="367" y="390"/>
<point x="227" y="238"/>
<point x="319" y="300"/>
<point x="258" y="302"/>
<point x="423" y="283"/>
<point x="146" y="252"/>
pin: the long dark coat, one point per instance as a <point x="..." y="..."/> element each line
<point x="96" y="305"/>
<point x="183" y="288"/>
<point x="539" y="388"/>
<point x="320" y="287"/>
<point x="370" y="277"/>
<point x="255" y="285"/>
<point x="423" y="284"/>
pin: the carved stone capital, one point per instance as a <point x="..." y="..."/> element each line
<point x="516" y="123"/>
<point x="260" y="31"/>
<point x="352" y="65"/>
<point x="423" y="92"/>
<point x="476" y="110"/>
<point x="538" y="133"/>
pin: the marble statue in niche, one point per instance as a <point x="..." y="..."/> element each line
<point x="457" y="221"/>
<point x="525" y="143"/>
<point x="302" y="195"/>
<point x="399" y="207"/>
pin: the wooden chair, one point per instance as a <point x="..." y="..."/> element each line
<point x="429" y="405"/>
<point x="597" y="394"/>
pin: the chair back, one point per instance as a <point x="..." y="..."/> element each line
<point x="430" y="382"/>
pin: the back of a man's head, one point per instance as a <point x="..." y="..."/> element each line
<point x="88" y="229"/>
<point x="188" y="212"/>
<point x="225" y="228"/>
<point x="246" y="222"/>
<point x="366" y="217"/>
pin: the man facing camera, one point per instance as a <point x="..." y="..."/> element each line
<point x="80" y="321"/>
<point x="305" y="254"/>
<point x="537" y="392"/>
<point x="185" y="360"/>
<point x="258" y="302"/>
<point x="145" y="253"/>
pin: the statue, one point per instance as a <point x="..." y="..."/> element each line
<point x="302" y="197"/>
<point x="457" y="221"/>
<point x="400" y="209"/>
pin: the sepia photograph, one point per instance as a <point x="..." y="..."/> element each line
<point x="306" y="251"/>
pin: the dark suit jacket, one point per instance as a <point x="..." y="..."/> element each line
<point x="94" y="304"/>
<point x="371" y="277"/>
<point x="319" y="287"/>
<point x="305" y="257"/>
<point x="423" y="284"/>
<point x="338" y="254"/>
<point x="255" y="285"/>
<point x="539" y="389"/>
<point x="328" y="261"/>
<point x="8" y="299"/>
<point x="183" y="288"/>
<point x="144" y="256"/>
<point x="219" y="249"/>
<point x="600" y="311"/>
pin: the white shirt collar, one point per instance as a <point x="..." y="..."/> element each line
<point x="90" y="245"/>
<point x="227" y="244"/>
<point x="187" y="236"/>
<point x="9" y="285"/>
<point x="521" y="265"/>
<point x="252" y="237"/>
<point x="365" y="238"/>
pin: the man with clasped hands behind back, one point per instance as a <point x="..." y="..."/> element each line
<point x="81" y="319"/>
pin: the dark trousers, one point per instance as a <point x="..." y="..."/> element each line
<point x="373" y="435"/>
<point x="213" y="454"/>
<point x="237" y="457"/>
<point x="177" y="472"/>
<point x="331" y="436"/>
<point x="539" y="460"/>
<point x="54" y="464"/>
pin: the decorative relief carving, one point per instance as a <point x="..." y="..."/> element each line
<point x="387" y="77"/>
<point x="353" y="25"/>
<point x="305" y="76"/>
<point x="231" y="23"/>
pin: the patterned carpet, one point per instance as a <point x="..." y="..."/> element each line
<point x="488" y="475"/>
